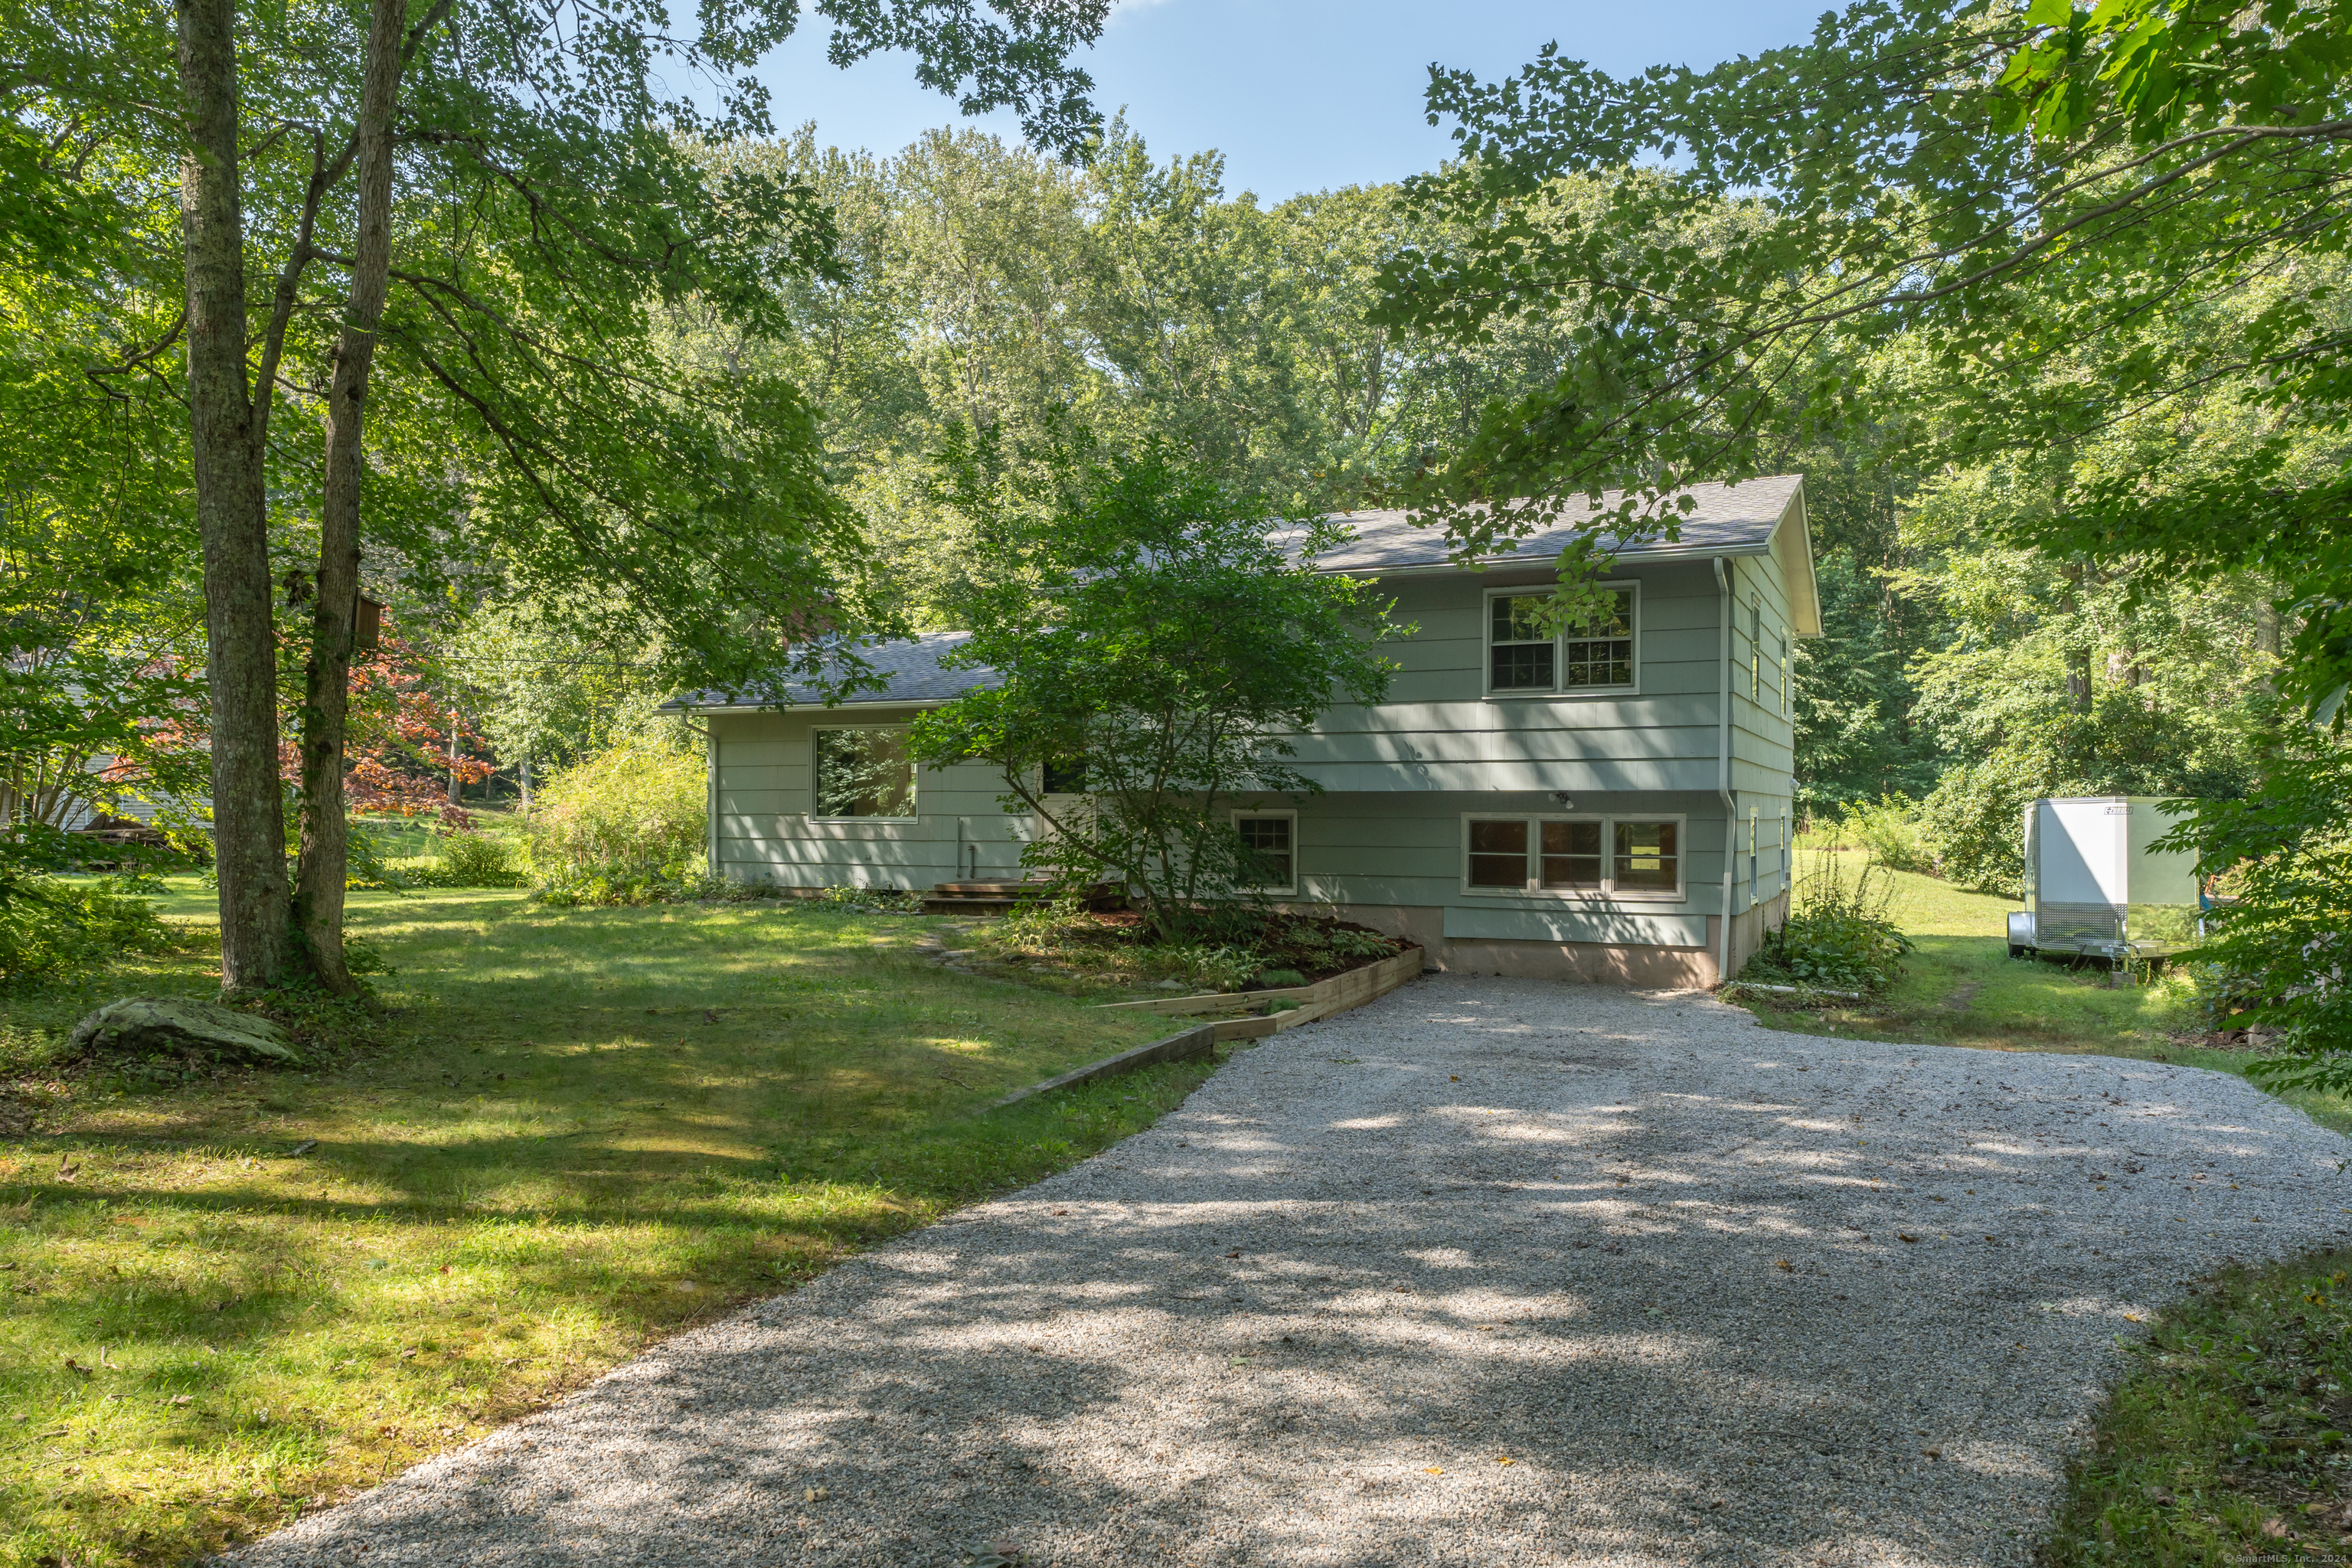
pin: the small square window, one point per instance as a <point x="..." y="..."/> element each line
<point x="1065" y="775"/>
<point x="1266" y="842"/>
<point x="1499" y="855"/>
<point x="1647" y="861"/>
<point x="1571" y="855"/>
<point x="864" y="772"/>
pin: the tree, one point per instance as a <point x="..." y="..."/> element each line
<point x="2283" y="943"/>
<point x="1996" y="186"/>
<point x="553" y="144"/>
<point x="1163" y="636"/>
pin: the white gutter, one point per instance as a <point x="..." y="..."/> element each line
<point x="1723" y="780"/>
<point x="1536" y="562"/>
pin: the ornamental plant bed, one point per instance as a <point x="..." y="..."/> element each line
<point x="1066" y="947"/>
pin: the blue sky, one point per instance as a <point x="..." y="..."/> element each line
<point x="1300" y="95"/>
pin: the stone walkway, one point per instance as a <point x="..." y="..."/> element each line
<point x="1490" y="1272"/>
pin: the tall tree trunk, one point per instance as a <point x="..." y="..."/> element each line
<point x="2078" y="651"/>
<point x="326" y="701"/>
<point x="456" y="741"/>
<point x="226" y="417"/>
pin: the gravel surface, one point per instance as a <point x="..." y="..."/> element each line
<point x="1490" y="1272"/>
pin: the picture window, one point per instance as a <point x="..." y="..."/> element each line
<point x="863" y="773"/>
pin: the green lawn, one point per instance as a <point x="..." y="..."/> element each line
<point x="571" y="1133"/>
<point x="1961" y="988"/>
<point x="2224" y="1443"/>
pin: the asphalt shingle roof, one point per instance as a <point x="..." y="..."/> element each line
<point x="911" y="666"/>
<point x="1725" y="519"/>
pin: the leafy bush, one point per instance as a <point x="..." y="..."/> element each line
<point x="1274" y="979"/>
<point x="1976" y="821"/>
<point x="2278" y="953"/>
<point x="1215" y="968"/>
<point x="51" y="930"/>
<point x="624" y="827"/>
<point x="1837" y="937"/>
<point x="1890" y="831"/>
<point x="467" y="861"/>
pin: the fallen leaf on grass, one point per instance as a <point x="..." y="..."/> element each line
<point x="816" y="1494"/>
<point x="308" y="1145"/>
<point x="1505" y="1459"/>
<point x="182" y="1399"/>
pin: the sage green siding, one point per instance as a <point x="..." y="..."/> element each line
<point x="1401" y="776"/>
<point x="764" y="829"/>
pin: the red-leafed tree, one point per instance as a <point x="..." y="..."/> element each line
<point x="407" y="738"/>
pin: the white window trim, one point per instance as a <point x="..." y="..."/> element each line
<point x="1607" y="893"/>
<point x="1558" y="652"/>
<point x="1235" y="818"/>
<point x="915" y="771"/>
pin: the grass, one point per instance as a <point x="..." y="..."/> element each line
<point x="226" y="1297"/>
<point x="2225" y="1444"/>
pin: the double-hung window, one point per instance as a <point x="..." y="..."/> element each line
<point x="1524" y="660"/>
<point x="1270" y="850"/>
<point x="1570" y="856"/>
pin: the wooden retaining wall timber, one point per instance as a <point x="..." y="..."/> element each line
<point x="1321" y="1000"/>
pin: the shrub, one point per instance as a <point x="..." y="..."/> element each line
<point x="1215" y="968"/>
<point x="1274" y="979"/>
<point x="1976" y="821"/>
<point x="478" y="860"/>
<point x="51" y="930"/>
<point x="1837" y="937"/>
<point x="1890" y="831"/>
<point x="624" y="827"/>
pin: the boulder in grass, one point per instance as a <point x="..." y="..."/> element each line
<point x="155" y="1026"/>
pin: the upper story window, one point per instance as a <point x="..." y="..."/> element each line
<point x="863" y="773"/>
<point x="1522" y="660"/>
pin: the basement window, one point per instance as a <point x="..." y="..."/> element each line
<point x="1269" y="839"/>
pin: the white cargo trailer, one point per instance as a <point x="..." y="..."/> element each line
<point x="2094" y="886"/>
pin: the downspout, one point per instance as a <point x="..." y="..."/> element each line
<point x="710" y="804"/>
<point x="1723" y="780"/>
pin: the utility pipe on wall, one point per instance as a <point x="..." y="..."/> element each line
<point x="1723" y="779"/>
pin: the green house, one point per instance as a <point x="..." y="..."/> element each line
<point x="1613" y="805"/>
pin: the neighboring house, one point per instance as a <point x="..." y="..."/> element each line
<point x="1614" y="807"/>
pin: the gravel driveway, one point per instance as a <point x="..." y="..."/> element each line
<point x="1491" y="1271"/>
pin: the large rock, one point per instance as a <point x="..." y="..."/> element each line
<point x="151" y="1026"/>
